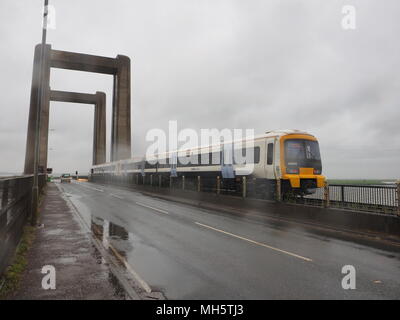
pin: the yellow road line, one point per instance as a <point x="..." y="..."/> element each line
<point x="156" y="209"/>
<point x="256" y="242"/>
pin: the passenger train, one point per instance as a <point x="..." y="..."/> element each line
<point x="286" y="158"/>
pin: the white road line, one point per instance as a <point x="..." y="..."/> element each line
<point x="96" y="189"/>
<point x="116" y="196"/>
<point x="156" y="209"/>
<point x="256" y="242"/>
<point x="139" y="279"/>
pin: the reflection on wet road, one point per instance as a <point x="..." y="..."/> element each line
<point x="190" y="253"/>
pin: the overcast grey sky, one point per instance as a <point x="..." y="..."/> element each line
<point x="262" y="64"/>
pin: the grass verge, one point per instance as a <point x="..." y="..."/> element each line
<point x="10" y="280"/>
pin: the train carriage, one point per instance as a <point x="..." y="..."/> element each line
<point x="289" y="159"/>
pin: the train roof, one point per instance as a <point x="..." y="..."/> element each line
<point x="283" y="132"/>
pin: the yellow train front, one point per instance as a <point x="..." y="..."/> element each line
<point x="300" y="163"/>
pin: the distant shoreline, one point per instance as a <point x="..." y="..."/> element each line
<point x="363" y="181"/>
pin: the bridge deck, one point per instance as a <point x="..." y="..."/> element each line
<point x="188" y="252"/>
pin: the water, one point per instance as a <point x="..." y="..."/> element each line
<point x="381" y="195"/>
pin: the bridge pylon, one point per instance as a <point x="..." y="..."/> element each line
<point x="119" y="68"/>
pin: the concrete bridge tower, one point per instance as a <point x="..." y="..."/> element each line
<point x="119" y="68"/>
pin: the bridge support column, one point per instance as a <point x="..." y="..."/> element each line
<point x="121" y="116"/>
<point x="44" y="124"/>
<point x="99" y="135"/>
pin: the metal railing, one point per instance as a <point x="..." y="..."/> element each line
<point x="15" y="208"/>
<point x="374" y="198"/>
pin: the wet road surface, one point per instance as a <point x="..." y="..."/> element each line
<point x="191" y="253"/>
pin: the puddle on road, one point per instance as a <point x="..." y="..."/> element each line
<point x="114" y="238"/>
<point x="119" y="243"/>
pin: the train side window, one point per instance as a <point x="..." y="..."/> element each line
<point x="215" y="158"/>
<point x="241" y="155"/>
<point x="270" y="153"/>
<point x="256" y="154"/>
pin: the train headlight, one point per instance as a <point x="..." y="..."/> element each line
<point x="292" y="170"/>
<point x="317" y="171"/>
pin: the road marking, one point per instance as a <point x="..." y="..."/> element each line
<point x="156" y="209"/>
<point x="143" y="283"/>
<point x="256" y="242"/>
<point x="116" y="196"/>
<point x="87" y="187"/>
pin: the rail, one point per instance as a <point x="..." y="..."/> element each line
<point x="374" y="198"/>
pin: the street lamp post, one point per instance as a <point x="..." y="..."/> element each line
<point x="40" y="96"/>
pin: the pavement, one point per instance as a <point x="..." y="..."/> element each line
<point x="181" y="251"/>
<point x="62" y="242"/>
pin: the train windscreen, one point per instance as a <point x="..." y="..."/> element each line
<point x="302" y="153"/>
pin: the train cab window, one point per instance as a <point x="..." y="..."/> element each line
<point x="270" y="153"/>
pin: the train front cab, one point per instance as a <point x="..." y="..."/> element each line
<point x="301" y="164"/>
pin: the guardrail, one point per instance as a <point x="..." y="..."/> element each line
<point x="372" y="198"/>
<point x="15" y="208"/>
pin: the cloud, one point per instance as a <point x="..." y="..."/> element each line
<point x="227" y="63"/>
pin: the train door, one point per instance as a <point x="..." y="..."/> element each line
<point x="173" y="161"/>
<point x="226" y="158"/>
<point x="269" y="159"/>
<point x="277" y="158"/>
